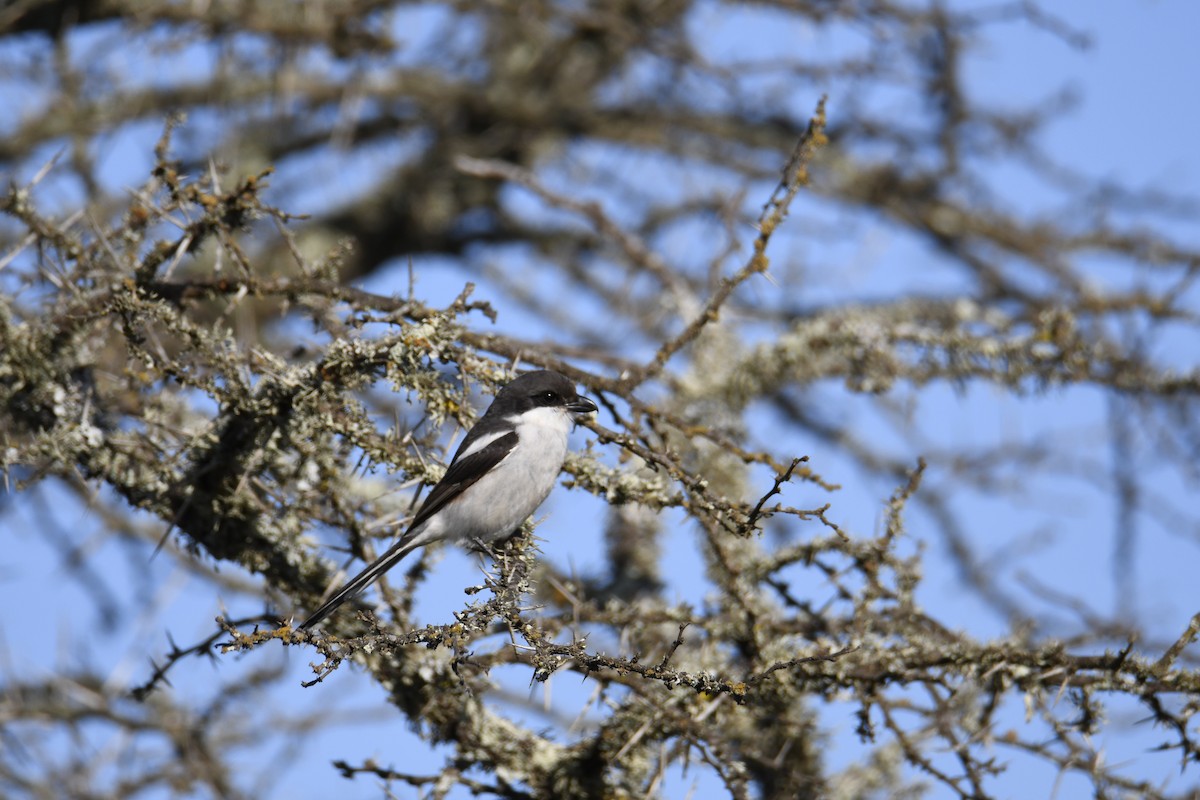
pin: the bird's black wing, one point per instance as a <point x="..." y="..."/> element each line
<point x="461" y="473"/>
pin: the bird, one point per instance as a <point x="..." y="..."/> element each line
<point x="503" y="470"/>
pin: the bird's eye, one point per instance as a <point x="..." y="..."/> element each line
<point x="548" y="398"/>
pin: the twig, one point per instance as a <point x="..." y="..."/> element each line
<point x="795" y="177"/>
<point x="203" y="647"/>
<point x="780" y="480"/>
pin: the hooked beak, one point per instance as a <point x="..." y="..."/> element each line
<point x="582" y="405"/>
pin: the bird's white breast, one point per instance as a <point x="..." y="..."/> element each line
<point x="542" y="436"/>
<point x="504" y="498"/>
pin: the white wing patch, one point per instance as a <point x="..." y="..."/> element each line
<point x="481" y="442"/>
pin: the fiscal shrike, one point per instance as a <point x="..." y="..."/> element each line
<point x="501" y="473"/>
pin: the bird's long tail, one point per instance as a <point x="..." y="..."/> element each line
<point x="362" y="580"/>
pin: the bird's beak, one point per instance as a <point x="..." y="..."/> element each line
<point x="582" y="405"/>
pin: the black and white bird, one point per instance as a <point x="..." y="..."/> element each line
<point x="501" y="473"/>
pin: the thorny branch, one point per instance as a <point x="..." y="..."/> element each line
<point x="795" y="177"/>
